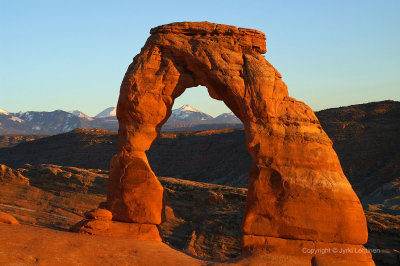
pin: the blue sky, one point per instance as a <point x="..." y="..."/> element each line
<point x="74" y="54"/>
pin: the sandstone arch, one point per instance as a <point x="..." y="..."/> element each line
<point x="297" y="190"/>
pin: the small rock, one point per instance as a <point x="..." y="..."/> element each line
<point x="215" y="198"/>
<point x="169" y="213"/>
<point x="91" y="227"/>
<point x="99" y="214"/>
<point x="6" y="218"/>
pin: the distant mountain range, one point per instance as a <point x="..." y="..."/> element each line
<point x="190" y="114"/>
<point x="109" y="112"/>
<point x="59" y="121"/>
<point x="189" y="118"/>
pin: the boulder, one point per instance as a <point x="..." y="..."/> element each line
<point x="6" y="218"/>
<point x="99" y="214"/>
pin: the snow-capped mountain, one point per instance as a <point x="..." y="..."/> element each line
<point x="189" y="118"/>
<point x="188" y="113"/>
<point x="80" y="114"/>
<point x="59" y="121"/>
<point x="39" y="122"/>
<point x="50" y="123"/>
<point x="3" y="112"/>
<point x="227" y="118"/>
<point x="109" y="112"/>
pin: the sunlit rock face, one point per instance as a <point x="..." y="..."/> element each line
<point x="297" y="189"/>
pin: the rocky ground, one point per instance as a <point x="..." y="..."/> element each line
<point x="202" y="219"/>
<point x="27" y="245"/>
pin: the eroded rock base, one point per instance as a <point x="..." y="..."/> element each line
<point x="112" y="228"/>
<point x="307" y="252"/>
<point x="134" y="194"/>
<point x="99" y="222"/>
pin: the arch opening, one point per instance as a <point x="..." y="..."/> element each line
<point x="194" y="109"/>
<point x="198" y="147"/>
<point x="217" y="156"/>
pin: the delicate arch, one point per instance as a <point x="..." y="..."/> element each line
<point x="297" y="189"/>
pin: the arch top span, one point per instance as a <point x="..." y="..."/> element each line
<point x="248" y="38"/>
<point x="297" y="189"/>
<point x="225" y="59"/>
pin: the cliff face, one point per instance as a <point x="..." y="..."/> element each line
<point x="366" y="139"/>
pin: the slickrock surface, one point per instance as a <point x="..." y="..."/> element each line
<point x="201" y="219"/>
<point x="29" y="245"/>
<point x="57" y="196"/>
<point x="297" y="189"/>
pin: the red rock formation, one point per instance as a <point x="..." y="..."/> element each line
<point x="6" y="218"/>
<point x="99" y="214"/>
<point x="99" y="222"/>
<point x="8" y="175"/>
<point x="297" y="189"/>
